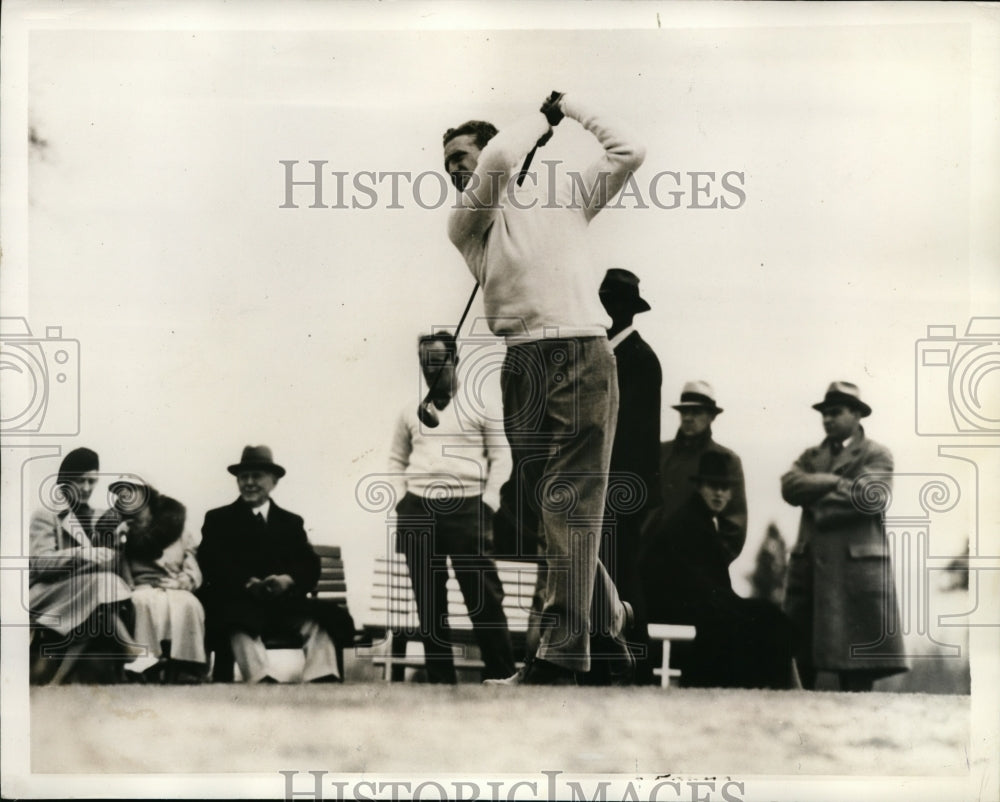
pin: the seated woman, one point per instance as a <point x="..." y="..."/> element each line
<point x="162" y="568"/>
<point x="685" y="571"/>
<point x="79" y="605"/>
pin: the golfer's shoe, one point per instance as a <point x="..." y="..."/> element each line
<point x="621" y="668"/>
<point x="629" y="624"/>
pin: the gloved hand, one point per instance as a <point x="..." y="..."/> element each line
<point x="550" y="108"/>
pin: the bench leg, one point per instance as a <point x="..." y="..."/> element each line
<point x="396" y="671"/>
<point x="665" y="667"/>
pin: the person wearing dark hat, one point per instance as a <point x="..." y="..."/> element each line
<point x="634" y="484"/>
<point x="80" y="606"/>
<point x="258" y="566"/>
<point x="685" y="570"/>
<point x="840" y="593"/>
<point x="679" y="459"/>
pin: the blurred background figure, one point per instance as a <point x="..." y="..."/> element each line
<point x="80" y="606"/>
<point x="767" y="581"/>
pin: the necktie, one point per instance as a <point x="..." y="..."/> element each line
<point x="261" y="521"/>
<point x="836" y="447"/>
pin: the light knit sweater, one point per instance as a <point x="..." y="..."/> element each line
<point x="533" y="263"/>
<point x="457" y="458"/>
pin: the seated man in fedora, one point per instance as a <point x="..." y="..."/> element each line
<point x="685" y="568"/>
<point x="840" y="593"/>
<point x="258" y="566"/>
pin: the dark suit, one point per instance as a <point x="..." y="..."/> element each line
<point x="679" y="462"/>
<point x="235" y="547"/>
<point x="685" y="569"/>
<point x="634" y="471"/>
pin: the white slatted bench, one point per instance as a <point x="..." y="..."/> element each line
<point x="393" y="602"/>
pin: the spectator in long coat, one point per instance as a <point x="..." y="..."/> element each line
<point x="80" y="606"/>
<point x="840" y="595"/>
<point x="739" y="642"/>
<point x="633" y="479"/>
<point x="634" y="472"/>
<point x="679" y="459"/>
<point x="258" y="566"/>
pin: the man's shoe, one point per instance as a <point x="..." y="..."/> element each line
<point x="514" y="679"/>
<point x="326" y="678"/>
<point x="538" y="672"/>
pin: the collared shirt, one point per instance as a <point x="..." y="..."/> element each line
<point x="263" y="509"/>
<point x="617" y="339"/>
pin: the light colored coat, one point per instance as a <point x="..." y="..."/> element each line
<point x="841" y="595"/>
<point x="69" y="577"/>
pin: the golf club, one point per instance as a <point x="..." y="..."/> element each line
<point x="426" y="411"/>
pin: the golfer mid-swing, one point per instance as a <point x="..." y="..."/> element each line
<point x="526" y="245"/>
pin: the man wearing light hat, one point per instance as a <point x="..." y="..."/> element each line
<point x="258" y="566"/>
<point x="840" y="596"/>
<point x="679" y="460"/>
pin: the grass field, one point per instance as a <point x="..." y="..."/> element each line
<point x="412" y="727"/>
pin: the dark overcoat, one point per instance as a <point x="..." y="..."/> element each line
<point x="685" y="570"/>
<point x="234" y="548"/>
<point x="679" y="460"/>
<point x="634" y="481"/>
<point x="841" y="595"/>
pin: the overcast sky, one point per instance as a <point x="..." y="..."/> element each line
<point x="210" y="318"/>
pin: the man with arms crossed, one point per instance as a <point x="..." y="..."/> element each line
<point x="527" y="248"/>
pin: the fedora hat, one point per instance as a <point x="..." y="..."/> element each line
<point x="715" y="467"/>
<point x="698" y="394"/>
<point x="624" y="285"/>
<point x="256" y="458"/>
<point x="843" y="394"/>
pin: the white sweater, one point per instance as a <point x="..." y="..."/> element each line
<point x="462" y="458"/>
<point x="533" y="263"/>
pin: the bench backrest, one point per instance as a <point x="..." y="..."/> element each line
<point x="332" y="580"/>
<point x="393" y="601"/>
